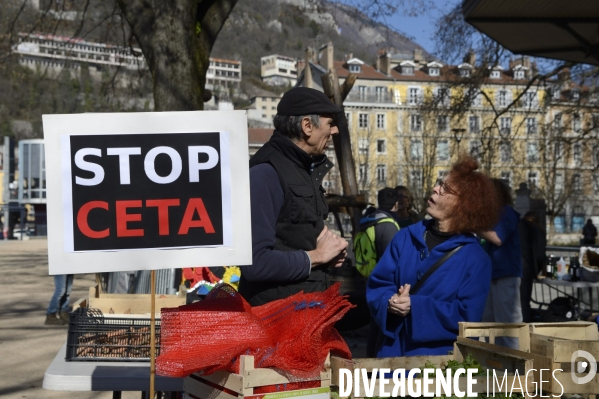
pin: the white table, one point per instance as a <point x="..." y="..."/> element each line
<point x="104" y="376"/>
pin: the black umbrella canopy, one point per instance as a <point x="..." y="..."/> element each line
<point x="560" y="29"/>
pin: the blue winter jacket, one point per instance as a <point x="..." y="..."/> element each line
<point x="456" y="292"/>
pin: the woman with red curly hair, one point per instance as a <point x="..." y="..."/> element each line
<point x="425" y="322"/>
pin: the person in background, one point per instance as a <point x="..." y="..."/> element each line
<point x="589" y="233"/>
<point x="533" y="244"/>
<point x="426" y="322"/>
<point x="405" y="214"/>
<point x="385" y="228"/>
<point x="58" y="309"/>
<point x="291" y="246"/>
<point x="503" y="303"/>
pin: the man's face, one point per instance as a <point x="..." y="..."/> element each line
<point x="319" y="138"/>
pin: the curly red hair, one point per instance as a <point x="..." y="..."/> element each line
<point x="477" y="207"/>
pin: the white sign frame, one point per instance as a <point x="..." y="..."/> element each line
<point x="237" y="249"/>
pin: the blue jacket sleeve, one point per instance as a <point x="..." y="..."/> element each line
<point x="382" y="284"/>
<point x="431" y="319"/>
<point x="268" y="264"/>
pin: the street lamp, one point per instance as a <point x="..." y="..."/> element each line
<point x="458" y="133"/>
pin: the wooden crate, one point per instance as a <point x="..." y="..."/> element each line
<point x="555" y="344"/>
<point x="489" y="356"/>
<point x="225" y="385"/>
<point x="490" y="331"/>
<point x="128" y="303"/>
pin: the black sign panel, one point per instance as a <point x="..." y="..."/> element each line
<point x="132" y="191"/>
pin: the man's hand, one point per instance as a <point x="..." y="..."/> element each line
<point x="330" y="248"/>
<point x="400" y="303"/>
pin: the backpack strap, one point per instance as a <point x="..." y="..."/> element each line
<point x="433" y="268"/>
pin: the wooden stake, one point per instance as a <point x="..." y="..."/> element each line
<point x="152" y="331"/>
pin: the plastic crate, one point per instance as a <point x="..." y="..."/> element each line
<point x="93" y="337"/>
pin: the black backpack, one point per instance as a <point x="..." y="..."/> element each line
<point x="561" y="309"/>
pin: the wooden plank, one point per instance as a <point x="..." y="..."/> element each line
<point x="494" y="330"/>
<point x="579" y="330"/>
<point x="231" y="381"/>
<point x="202" y="390"/>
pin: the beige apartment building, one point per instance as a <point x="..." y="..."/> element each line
<point x="409" y="118"/>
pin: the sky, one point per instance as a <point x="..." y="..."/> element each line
<point x="421" y="29"/>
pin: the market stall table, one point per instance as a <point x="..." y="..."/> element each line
<point x="578" y="286"/>
<point x="104" y="376"/>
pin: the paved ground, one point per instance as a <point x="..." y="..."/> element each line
<point x="27" y="346"/>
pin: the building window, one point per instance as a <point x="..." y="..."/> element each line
<point x="414" y="96"/>
<point x="576" y="182"/>
<point x="381" y="121"/>
<point x="363" y="121"/>
<point x="505" y="125"/>
<point x="474" y="124"/>
<point x="363" y="145"/>
<point x="381" y="173"/>
<point x="502" y="98"/>
<point x="529" y="99"/>
<point x="505" y="151"/>
<point x="532" y="152"/>
<point x="557" y="120"/>
<point x="415" y="123"/>
<point x="495" y="74"/>
<point x="443" y="150"/>
<point x="464" y="72"/>
<point x="577" y="152"/>
<point x="506" y="176"/>
<point x="354" y="68"/>
<point x="475" y="149"/>
<point x="416" y="150"/>
<point x="380" y="93"/>
<point x="381" y="146"/>
<point x="362" y="172"/>
<point x="407" y="70"/>
<point x="531" y="125"/>
<point x="558" y="151"/>
<point x="416" y="179"/>
<point x="433" y="72"/>
<point x="474" y="97"/>
<point x="533" y="179"/>
<point x="575" y="95"/>
<point x="443" y="123"/>
<point x="362" y="92"/>
<point x="559" y="183"/>
<point x="443" y="96"/>
<point x="576" y="123"/>
<point x="519" y="74"/>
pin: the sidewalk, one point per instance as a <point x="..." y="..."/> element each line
<point x="27" y="346"/>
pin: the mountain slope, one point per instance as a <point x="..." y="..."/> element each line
<point x="262" y="27"/>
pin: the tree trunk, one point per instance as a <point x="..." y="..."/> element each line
<point x="176" y="38"/>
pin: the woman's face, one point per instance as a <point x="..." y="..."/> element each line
<point x="443" y="200"/>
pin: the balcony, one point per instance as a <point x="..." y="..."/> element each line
<point x="378" y="98"/>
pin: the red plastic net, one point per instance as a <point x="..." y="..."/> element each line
<point x="294" y="334"/>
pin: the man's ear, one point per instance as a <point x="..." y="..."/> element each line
<point x="307" y="126"/>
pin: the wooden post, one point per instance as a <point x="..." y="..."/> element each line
<point x="152" y="331"/>
<point x="342" y="142"/>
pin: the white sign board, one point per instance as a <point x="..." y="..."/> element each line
<point x="142" y="191"/>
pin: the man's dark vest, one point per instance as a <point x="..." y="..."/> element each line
<point x="301" y="219"/>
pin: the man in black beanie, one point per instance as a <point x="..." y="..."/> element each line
<point x="291" y="246"/>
